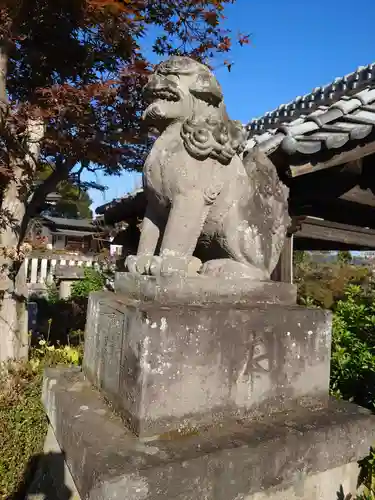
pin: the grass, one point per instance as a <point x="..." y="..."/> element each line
<point x="23" y="425"/>
<point x="23" y="422"/>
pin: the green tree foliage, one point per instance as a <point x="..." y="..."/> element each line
<point x="73" y="204"/>
<point x="344" y="257"/>
<point x="300" y="257"/>
<point x="73" y="201"/>
<point x="349" y="291"/>
<point x="323" y="284"/>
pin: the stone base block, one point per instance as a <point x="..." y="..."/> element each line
<point x="169" y="367"/>
<point x="305" y="454"/>
<point x="200" y="290"/>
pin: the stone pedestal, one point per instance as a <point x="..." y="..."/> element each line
<point x="222" y="396"/>
<point x="304" y="454"/>
<point x="168" y="367"/>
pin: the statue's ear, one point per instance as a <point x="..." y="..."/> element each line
<point x="207" y="88"/>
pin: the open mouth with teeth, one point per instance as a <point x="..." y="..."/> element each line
<point x="161" y="93"/>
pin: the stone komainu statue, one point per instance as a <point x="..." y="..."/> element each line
<point x="203" y="199"/>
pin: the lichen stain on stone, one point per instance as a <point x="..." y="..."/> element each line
<point x="100" y="411"/>
<point x="181" y="433"/>
<point x="51" y="383"/>
<point x="131" y="486"/>
<point x="149" y="450"/>
<point x="76" y="387"/>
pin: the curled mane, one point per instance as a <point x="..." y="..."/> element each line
<point x="211" y="137"/>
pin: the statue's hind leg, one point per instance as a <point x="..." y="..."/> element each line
<point x="229" y="268"/>
<point x="243" y="247"/>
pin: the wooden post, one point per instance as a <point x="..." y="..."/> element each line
<point x="34" y="271"/>
<point x="284" y="269"/>
<point x="43" y="271"/>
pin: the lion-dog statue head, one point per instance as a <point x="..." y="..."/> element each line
<point x="184" y="90"/>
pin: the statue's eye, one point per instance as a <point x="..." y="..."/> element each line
<point x="173" y="78"/>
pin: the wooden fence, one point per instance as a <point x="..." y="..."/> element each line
<point x="40" y="269"/>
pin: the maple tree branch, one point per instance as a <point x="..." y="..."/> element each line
<point x="60" y="173"/>
<point x="77" y="175"/>
<point x="3" y="73"/>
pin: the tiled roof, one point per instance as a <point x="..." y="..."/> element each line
<point x="117" y="201"/>
<point x="131" y="206"/>
<point x="62" y="221"/>
<point x="327" y="118"/>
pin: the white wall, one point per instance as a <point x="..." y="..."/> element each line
<point x="115" y="250"/>
<point x="59" y="243"/>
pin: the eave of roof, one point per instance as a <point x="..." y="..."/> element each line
<point x="326" y="119"/>
<point x="130" y="207"/>
<point x="129" y="197"/>
<point x="84" y="224"/>
<point x="73" y="232"/>
<point x="321" y="96"/>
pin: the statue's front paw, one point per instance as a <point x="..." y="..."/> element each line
<point x="138" y="264"/>
<point x="168" y="265"/>
<point x="155" y="265"/>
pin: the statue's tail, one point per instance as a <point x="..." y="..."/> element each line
<point x="270" y="199"/>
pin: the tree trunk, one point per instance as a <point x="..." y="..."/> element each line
<point x="13" y="302"/>
<point x="13" y="288"/>
<point x="13" y="306"/>
<point x="13" y="320"/>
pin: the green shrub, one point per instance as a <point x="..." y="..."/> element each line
<point x="49" y="355"/>
<point x="353" y="362"/>
<point x="353" y="348"/>
<point x="93" y="281"/>
<point x="367" y="476"/>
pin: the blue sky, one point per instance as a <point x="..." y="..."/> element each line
<point x="297" y="45"/>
